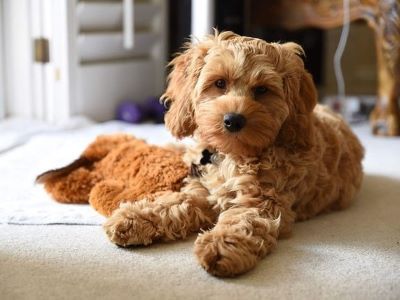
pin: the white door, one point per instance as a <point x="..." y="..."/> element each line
<point x="29" y="84"/>
<point x="100" y="53"/>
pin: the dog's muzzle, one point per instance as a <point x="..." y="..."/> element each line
<point x="234" y="122"/>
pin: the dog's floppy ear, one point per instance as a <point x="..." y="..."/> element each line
<point x="301" y="95"/>
<point x="186" y="68"/>
<point x="298" y="84"/>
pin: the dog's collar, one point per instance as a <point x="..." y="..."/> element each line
<point x="206" y="157"/>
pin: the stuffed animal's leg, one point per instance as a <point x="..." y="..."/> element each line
<point x="73" y="187"/>
<point x="107" y="195"/>
<point x="172" y="216"/>
<point x="73" y="183"/>
<point x="241" y="237"/>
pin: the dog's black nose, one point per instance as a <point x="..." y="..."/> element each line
<point x="234" y="122"/>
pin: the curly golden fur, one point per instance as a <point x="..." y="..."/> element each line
<point x="292" y="160"/>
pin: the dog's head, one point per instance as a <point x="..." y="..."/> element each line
<point x="240" y="94"/>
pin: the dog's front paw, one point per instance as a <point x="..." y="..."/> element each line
<point x="126" y="229"/>
<point x="226" y="254"/>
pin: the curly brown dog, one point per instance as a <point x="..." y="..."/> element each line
<point x="267" y="154"/>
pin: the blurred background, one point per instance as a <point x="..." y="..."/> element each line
<point x="105" y="59"/>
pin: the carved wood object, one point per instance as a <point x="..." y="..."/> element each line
<point x="383" y="16"/>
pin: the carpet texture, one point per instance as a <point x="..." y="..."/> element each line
<point x="352" y="254"/>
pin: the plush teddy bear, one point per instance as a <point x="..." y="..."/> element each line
<point x="114" y="169"/>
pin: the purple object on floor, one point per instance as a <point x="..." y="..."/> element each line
<point x="154" y="109"/>
<point x="130" y="112"/>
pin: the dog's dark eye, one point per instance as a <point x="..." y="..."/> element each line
<point x="220" y="83"/>
<point x="167" y="104"/>
<point x="260" y="90"/>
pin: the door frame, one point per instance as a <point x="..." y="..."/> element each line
<point x="17" y="53"/>
<point x="2" y="85"/>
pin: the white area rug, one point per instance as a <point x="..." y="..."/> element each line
<point x="32" y="148"/>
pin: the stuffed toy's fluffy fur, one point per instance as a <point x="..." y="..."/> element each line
<point x="267" y="155"/>
<point x="116" y="168"/>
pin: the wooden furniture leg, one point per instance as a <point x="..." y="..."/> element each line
<point x="385" y="118"/>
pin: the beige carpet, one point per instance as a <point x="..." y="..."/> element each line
<point x="353" y="254"/>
